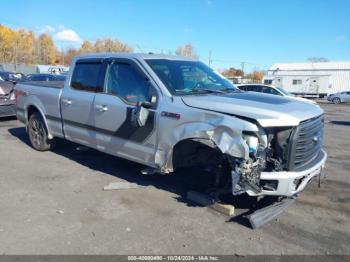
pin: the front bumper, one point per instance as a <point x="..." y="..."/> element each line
<point x="291" y="182"/>
<point x="7" y="110"/>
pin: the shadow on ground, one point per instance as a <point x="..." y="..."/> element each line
<point x="180" y="182"/>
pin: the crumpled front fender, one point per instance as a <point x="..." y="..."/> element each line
<point x="225" y="132"/>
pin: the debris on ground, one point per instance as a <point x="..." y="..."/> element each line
<point x="60" y="212"/>
<point x="204" y="200"/>
<point x="121" y="185"/>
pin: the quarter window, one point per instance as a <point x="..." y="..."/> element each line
<point x="125" y="81"/>
<point x="86" y="77"/>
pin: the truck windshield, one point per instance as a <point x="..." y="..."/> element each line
<point x="189" y="77"/>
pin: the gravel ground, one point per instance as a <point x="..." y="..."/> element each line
<point x="53" y="203"/>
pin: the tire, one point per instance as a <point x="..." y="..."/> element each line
<point x="336" y="100"/>
<point x="37" y="133"/>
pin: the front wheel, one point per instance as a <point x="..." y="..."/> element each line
<point x="336" y="100"/>
<point x="37" y="132"/>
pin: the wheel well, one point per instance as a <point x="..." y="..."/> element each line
<point x="196" y="152"/>
<point x="31" y="110"/>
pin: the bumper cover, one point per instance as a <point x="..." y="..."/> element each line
<point x="7" y="110"/>
<point x="292" y="182"/>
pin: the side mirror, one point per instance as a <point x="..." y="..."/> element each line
<point x="140" y="113"/>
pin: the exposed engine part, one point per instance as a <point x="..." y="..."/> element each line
<point x="245" y="174"/>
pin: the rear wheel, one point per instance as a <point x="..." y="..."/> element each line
<point x="37" y="132"/>
<point x="336" y="100"/>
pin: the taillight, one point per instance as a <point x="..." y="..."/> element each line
<point x="18" y="93"/>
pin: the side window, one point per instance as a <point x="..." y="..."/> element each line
<point x="86" y="77"/>
<point x="269" y="90"/>
<point x="125" y="81"/>
<point x="244" y="88"/>
<point x="254" y="88"/>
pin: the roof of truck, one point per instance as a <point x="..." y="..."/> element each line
<point x="135" y="55"/>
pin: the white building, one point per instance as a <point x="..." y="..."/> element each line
<point x="310" y="79"/>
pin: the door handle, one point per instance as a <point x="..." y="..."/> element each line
<point x="102" y="108"/>
<point x="67" y="101"/>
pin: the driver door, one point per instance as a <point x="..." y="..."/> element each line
<point x="125" y="85"/>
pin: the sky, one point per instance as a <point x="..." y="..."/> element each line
<point x="256" y="32"/>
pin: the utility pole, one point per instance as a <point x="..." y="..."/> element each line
<point x="210" y="61"/>
<point x="242" y="67"/>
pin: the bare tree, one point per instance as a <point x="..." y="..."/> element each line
<point x="187" y="51"/>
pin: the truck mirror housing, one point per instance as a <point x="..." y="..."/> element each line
<point x="139" y="114"/>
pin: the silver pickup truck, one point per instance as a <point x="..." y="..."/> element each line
<point x="168" y="112"/>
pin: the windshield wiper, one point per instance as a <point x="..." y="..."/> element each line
<point x="233" y="90"/>
<point x="208" y="90"/>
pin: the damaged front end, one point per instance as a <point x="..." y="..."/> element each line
<point x="267" y="152"/>
<point x="235" y="149"/>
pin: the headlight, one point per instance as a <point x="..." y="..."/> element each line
<point x="12" y="96"/>
<point x="252" y="142"/>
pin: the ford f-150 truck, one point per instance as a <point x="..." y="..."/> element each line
<point x="168" y="112"/>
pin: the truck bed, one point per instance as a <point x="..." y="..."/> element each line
<point x="46" y="97"/>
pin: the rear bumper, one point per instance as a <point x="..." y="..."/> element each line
<point x="7" y="110"/>
<point x="291" y="182"/>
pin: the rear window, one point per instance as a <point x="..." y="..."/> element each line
<point x="86" y="77"/>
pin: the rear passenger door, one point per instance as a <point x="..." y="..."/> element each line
<point x="77" y="102"/>
<point x="125" y="85"/>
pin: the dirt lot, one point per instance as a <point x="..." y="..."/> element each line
<point x="53" y="203"/>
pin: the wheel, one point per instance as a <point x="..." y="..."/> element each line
<point x="336" y="100"/>
<point x="38" y="133"/>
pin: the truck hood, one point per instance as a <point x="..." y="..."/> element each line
<point x="267" y="110"/>
<point x="5" y="88"/>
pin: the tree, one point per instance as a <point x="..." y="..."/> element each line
<point x="48" y="51"/>
<point x="6" y="43"/>
<point x="23" y="46"/>
<point x="256" y="76"/>
<point x="232" y="72"/>
<point x="110" y="45"/>
<point x="187" y="51"/>
<point x="86" y="47"/>
<point x="69" y="55"/>
<point x="315" y="59"/>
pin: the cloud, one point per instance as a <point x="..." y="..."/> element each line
<point x="48" y="29"/>
<point x="68" y="35"/>
<point x="340" y="38"/>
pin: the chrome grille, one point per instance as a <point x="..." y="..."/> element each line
<point x="306" y="143"/>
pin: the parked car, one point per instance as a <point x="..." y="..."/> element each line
<point x="7" y="99"/>
<point x="273" y="90"/>
<point x="168" y="112"/>
<point x="11" y="76"/>
<point x="45" y="77"/>
<point x="341" y="97"/>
